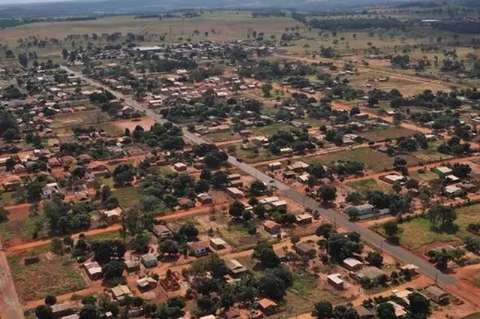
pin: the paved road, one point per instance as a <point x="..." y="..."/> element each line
<point x="339" y="219"/>
<point x="10" y="307"/>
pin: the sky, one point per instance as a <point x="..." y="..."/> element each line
<point x="29" y="1"/>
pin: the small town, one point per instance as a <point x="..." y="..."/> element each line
<point x="240" y="162"/>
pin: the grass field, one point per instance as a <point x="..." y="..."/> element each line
<point x="222" y="136"/>
<point x="387" y="133"/>
<point x="220" y="26"/>
<point x="237" y="236"/>
<point x="250" y="156"/>
<point x="21" y="229"/>
<point x="63" y="123"/>
<point x="372" y="159"/>
<point x="53" y="275"/>
<point x="304" y="293"/>
<point x="417" y="232"/>
<point x="127" y="196"/>
<point x="365" y="185"/>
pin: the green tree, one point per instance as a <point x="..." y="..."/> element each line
<point x="266" y="255"/>
<point x="323" y="310"/>
<point x="44" y="312"/>
<point x="374" y="258"/>
<point x="113" y="269"/>
<point x="327" y="193"/>
<point x="123" y="174"/>
<point x="442" y="217"/>
<point x="386" y="310"/>
<point x="418" y="306"/>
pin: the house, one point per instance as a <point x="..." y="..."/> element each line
<point x="436" y="294"/>
<point x="267" y="306"/>
<point x="336" y="281"/>
<point x="50" y="189"/>
<point x="235" y="192"/>
<point x="304" y="178"/>
<point x="271" y="227"/>
<point x="453" y="191"/>
<point x="64" y="309"/>
<point x="149" y="260"/>
<point x="120" y="292"/>
<point x="11" y="183"/>
<point x="442" y="170"/>
<point x="304" y="219"/>
<point x="180" y="167"/>
<point x="352" y="264"/>
<point x="452" y="178"/>
<point x="348" y="139"/>
<point x="289" y="174"/>
<point x="286" y="151"/>
<point x="146" y="283"/>
<point x="235" y="268"/>
<point x="205" y="198"/>
<point x="362" y="211"/>
<point x="372" y="273"/>
<point x="98" y="169"/>
<point x="199" y="248"/>
<point x="268" y="200"/>
<point x="233" y="177"/>
<point x="364" y="313"/>
<point x="279" y="204"/>
<point x="161" y="231"/>
<point x="93" y="269"/>
<point x="393" y="178"/>
<point x="410" y="268"/>
<point x="398" y="309"/>
<point x="298" y="166"/>
<point x="218" y="243"/>
<point x="113" y="215"/>
<point x="274" y="166"/>
<point x="306" y="249"/>
<point x="132" y="265"/>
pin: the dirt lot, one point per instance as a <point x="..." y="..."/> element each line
<point x="145" y="122"/>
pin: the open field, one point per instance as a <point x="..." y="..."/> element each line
<point x="127" y="196"/>
<point x="366" y="185"/>
<point x="252" y="156"/>
<point x="388" y="133"/>
<point x="63" y="123"/>
<point x="52" y="275"/>
<point x="372" y="159"/>
<point x="221" y="26"/>
<point x="304" y="293"/>
<point x="417" y="232"/>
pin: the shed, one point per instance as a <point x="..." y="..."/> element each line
<point x="235" y="267"/>
<point x="149" y="260"/>
<point x="64" y="309"/>
<point x="217" y="243"/>
<point x="370" y="272"/>
<point x="93" y="269"/>
<point x="199" y="248"/>
<point x="352" y="263"/>
<point x="336" y="281"/>
<point x="272" y="227"/>
<point x="161" y="231"/>
<point x="267" y="306"/>
<point x="437" y="295"/>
